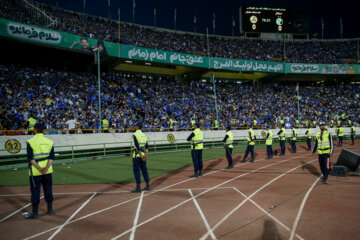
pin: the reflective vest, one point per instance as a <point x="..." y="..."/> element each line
<point x="142" y="140"/>
<point x="281" y="122"/>
<point x="32" y="123"/>
<point x="229" y="140"/>
<point x="343" y="116"/>
<point x="282" y="135"/>
<point x="197" y="140"/>
<point x="252" y="134"/>
<point x="270" y="138"/>
<point x="332" y="122"/>
<point x="341" y="132"/>
<point x="308" y="135"/>
<point x="41" y="147"/>
<point x="171" y="123"/>
<point x="353" y="130"/>
<point x="216" y="124"/>
<point x="338" y="122"/>
<point x="297" y="123"/>
<point x="314" y="123"/>
<point x="255" y="123"/>
<point x="293" y="134"/>
<point x="324" y="144"/>
<point x="306" y="123"/>
<point x="349" y="122"/>
<point x="192" y="122"/>
<point x="105" y="124"/>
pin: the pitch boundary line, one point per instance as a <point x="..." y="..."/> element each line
<point x="16" y="211"/>
<point x="132" y="235"/>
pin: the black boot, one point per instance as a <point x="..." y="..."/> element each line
<point x="243" y="160"/>
<point x="269" y="157"/>
<point x="147" y="188"/>
<point x="200" y="173"/>
<point x="252" y="160"/>
<point x="137" y="189"/>
<point x="195" y="175"/>
<point x="50" y="210"/>
<point x="34" y="214"/>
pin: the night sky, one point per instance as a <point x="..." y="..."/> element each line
<point x="224" y="9"/>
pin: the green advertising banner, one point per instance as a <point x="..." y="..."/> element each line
<point x="55" y="38"/>
<point x="322" y="68"/>
<point x="41" y="35"/>
<point x="153" y="55"/>
<point x="246" y="65"/>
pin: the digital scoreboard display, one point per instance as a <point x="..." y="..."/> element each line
<point x="276" y="20"/>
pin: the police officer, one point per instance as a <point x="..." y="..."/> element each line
<point x="293" y="139"/>
<point x="340" y="134"/>
<point x="196" y="138"/>
<point x="282" y="139"/>
<point x="31" y="123"/>
<point x="228" y="140"/>
<point x="216" y="125"/>
<point x="297" y="123"/>
<point x="352" y="134"/>
<point x="268" y="142"/>
<point x="140" y="151"/>
<point x="281" y="122"/>
<point x="324" y="145"/>
<point x="171" y="124"/>
<point x="40" y="153"/>
<point x="251" y="143"/>
<point x="308" y="138"/>
<point x="105" y="125"/>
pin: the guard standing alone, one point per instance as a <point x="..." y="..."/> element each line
<point x="353" y="132"/>
<point x="228" y="140"/>
<point x="140" y="151"/>
<point x="196" y="138"/>
<point x="251" y="143"/>
<point x="40" y="153"/>
<point x="325" y="147"/>
<point x="268" y="142"/>
<point x="281" y="134"/>
<point x="308" y="137"/>
<point x="340" y="133"/>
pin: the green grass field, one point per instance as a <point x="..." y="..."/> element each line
<point x="114" y="169"/>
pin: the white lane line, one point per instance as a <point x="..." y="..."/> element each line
<point x="293" y="229"/>
<point x="267" y="213"/>
<point x="202" y="216"/>
<point x="15" y="212"/>
<point x="132" y="235"/>
<point x="250" y="196"/>
<point x="68" y="220"/>
<point x="130" y="200"/>
<point x="185" y="201"/>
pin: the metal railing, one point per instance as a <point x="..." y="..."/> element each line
<point x="36" y="12"/>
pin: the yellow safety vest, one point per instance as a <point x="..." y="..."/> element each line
<point x="324" y="144"/>
<point x="171" y="123"/>
<point x="293" y="134"/>
<point x="343" y="116"/>
<point x="229" y="140"/>
<point x="297" y="123"/>
<point x="308" y="133"/>
<point x="255" y="123"/>
<point x="282" y="135"/>
<point x="349" y="122"/>
<point x="338" y="122"/>
<point x="32" y="123"/>
<point x="105" y="124"/>
<point x="197" y="140"/>
<point x="332" y="122"/>
<point x="192" y="122"/>
<point x="41" y="147"/>
<point x="216" y="124"/>
<point x="281" y="122"/>
<point x="252" y="134"/>
<point x="341" y="132"/>
<point x="314" y="123"/>
<point x="270" y="138"/>
<point x="353" y="130"/>
<point x="142" y="140"/>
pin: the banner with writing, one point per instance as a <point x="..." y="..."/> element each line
<point x="247" y="65"/>
<point x="322" y="68"/>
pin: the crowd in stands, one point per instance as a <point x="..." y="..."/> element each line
<point x="220" y="46"/>
<point x="63" y="99"/>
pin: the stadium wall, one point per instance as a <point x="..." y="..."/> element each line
<point x="68" y="142"/>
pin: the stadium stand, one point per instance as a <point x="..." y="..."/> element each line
<point x="312" y="51"/>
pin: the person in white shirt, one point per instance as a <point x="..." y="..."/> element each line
<point x="71" y="125"/>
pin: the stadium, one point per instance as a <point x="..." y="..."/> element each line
<point x="178" y="94"/>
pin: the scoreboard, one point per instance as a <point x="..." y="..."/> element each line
<point x="276" y="20"/>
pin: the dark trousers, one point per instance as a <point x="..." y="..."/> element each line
<point x="282" y="146"/>
<point x="340" y="141"/>
<point x="137" y="165"/>
<point x="308" y="141"/>
<point x="269" y="150"/>
<point x="197" y="160"/>
<point x="293" y="145"/>
<point x="229" y="155"/>
<point x="46" y="182"/>
<point x="324" y="161"/>
<point x="249" y="149"/>
<point x="353" y="139"/>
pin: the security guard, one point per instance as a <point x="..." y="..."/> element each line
<point x="228" y="140"/>
<point x="314" y="123"/>
<point x="352" y="134"/>
<point x="331" y="123"/>
<point x="340" y="134"/>
<point x="216" y="125"/>
<point x="297" y="123"/>
<point x="171" y="124"/>
<point x="251" y="143"/>
<point x="32" y="122"/>
<point x="349" y="122"/>
<point x="193" y="123"/>
<point x="308" y="138"/>
<point x="339" y="122"/>
<point x="140" y="151"/>
<point x="40" y="153"/>
<point x="105" y="125"/>
<point x="255" y="123"/>
<point x="281" y="122"/>
<point x="268" y="142"/>
<point x="282" y="139"/>
<point x="293" y="139"/>
<point x="324" y="144"/>
<point x="196" y="138"/>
